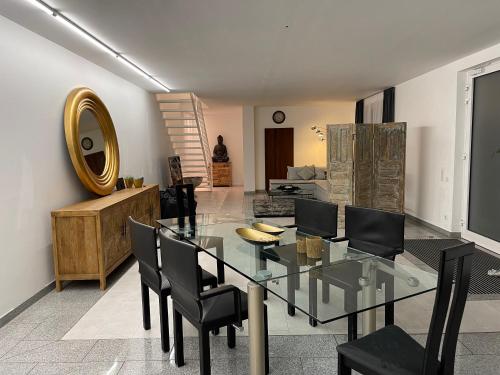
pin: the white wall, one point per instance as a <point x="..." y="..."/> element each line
<point x="37" y="176"/>
<point x="228" y="122"/>
<point x="433" y="106"/>
<point x="308" y="149"/>
<point x="249" y="148"/>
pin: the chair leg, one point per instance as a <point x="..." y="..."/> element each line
<point x="389" y="296"/>
<point x="290" y="287"/>
<point x="231" y="336"/>
<point x="221" y="276"/>
<point x="178" y="339"/>
<point x="146" y="313"/>
<point x="165" y="339"/>
<point x="352" y="327"/>
<point x="204" y="340"/>
<point x="342" y="368"/>
<point x="266" y="339"/>
<point x="313" y="300"/>
<point x="215" y="331"/>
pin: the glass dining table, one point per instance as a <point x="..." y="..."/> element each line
<point x="291" y="267"/>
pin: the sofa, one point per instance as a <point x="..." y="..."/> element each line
<point x="309" y="178"/>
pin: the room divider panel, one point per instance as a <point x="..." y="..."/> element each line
<point x="366" y="166"/>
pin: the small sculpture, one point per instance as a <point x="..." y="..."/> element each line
<point x="220" y="151"/>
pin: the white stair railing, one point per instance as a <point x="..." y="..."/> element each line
<point x="183" y="116"/>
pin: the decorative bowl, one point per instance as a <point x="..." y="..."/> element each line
<point x="256" y="237"/>
<point x="138" y="182"/>
<point x="266" y="228"/>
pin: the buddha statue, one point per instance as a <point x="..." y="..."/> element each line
<point x="220" y="151"/>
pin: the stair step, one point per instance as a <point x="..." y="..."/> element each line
<point x="186" y="147"/>
<point x="181" y="127"/>
<point x="174" y="96"/>
<point x="173" y="100"/>
<point x="176" y="110"/>
<point x="179" y="118"/>
<point x="186" y="141"/>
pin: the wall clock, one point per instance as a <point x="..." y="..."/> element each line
<point x="279" y="117"/>
<point x="87" y="143"/>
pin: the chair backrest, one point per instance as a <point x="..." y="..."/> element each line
<point x="143" y="238"/>
<point x="174" y="163"/>
<point x="180" y="265"/>
<point x="459" y="258"/>
<point x="369" y="225"/>
<point x="316" y="217"/>
<point x="181" y="210"/>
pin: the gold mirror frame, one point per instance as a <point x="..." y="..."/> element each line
<point x="79" y="100"/>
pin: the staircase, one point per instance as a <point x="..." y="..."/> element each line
<point x="183" y="117"/>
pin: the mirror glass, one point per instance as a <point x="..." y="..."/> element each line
<point x="92" y="142"/>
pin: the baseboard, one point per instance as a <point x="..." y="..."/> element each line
<point x="434" y="227"/>
<point x="23" y="306"/>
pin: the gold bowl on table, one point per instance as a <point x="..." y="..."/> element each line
<point x="256" y="237"/>
<point x="266" y="228"/>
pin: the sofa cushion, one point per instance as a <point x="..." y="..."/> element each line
<point x="320" y="173"/>
<point x="292" y="173"/>
<point x="307" y="172"/>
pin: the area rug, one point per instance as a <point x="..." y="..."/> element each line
<point x="427" y="250"/>
<point x="278" y="207"/>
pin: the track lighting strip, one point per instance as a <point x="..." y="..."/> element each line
<point x="40" y="4"/>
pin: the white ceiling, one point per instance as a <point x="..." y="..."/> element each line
<point x="272" y="51"/>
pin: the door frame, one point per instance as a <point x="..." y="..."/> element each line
<point x="479" y="239"/>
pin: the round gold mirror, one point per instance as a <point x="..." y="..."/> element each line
<point x="91" y="140"/>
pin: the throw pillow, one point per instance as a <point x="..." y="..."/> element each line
<point x="306" y="173"/>
<point x="320" y="173"/>
<point x="292" y="173"/>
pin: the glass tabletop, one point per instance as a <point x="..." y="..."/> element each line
<point x="333" y="292"/>
<point x="294" y="252"/>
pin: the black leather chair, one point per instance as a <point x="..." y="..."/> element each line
<point x="208" y="241"/>
<point x="315" y="217"/>
<point x="391" y="350"/>
<point x="373" y="231"/>
<point x="143" y="239"/>
<point x="312" y="217"/>
<point x="377" y="232"/>
<point x="209" y="310"/>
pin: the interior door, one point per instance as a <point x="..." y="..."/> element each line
<point x="482" y="209"/>
<point x="278" y="152"/>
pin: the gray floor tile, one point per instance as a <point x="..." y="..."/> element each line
<point x="218" y="347"/>
<point x="482" y="343"/>
<point x="303" y="346"/>
<point x="127" y="350"/>
<point x="477" y="365"/>
<point x="15" y="331"/>
<point x="15" y="368"/>
<point x="57" y="351"/>
<point x="25" y="346"/>
<point x="277" y="365"/>
<point x="94" y="368"/>
<point x="159" y="367"/>
<point x="6" y="345"/>
<point x="55" y="327"/>
<point x="320" y="366"/>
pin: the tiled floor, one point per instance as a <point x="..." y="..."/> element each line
<point x="39" y="341"/>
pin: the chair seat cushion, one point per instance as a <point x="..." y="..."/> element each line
<point x="221" y="308"/>
<point x="389" y="350"/>
<point x="375" y="249"/>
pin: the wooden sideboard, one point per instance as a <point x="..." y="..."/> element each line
<point x="222" y="174"/>
<point x="91" y="238"/>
